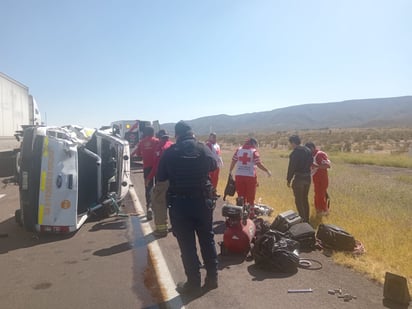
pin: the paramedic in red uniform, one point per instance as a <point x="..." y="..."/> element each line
<point x="159" y="203"/>
<point x="319" y="171"/>
<point x="214" y="146"/>
<point x="146" y="149"/>
<point x="247" y="158"/>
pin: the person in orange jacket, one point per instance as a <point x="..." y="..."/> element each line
<point x="146" y="149"/>
<point x="320" y="178"/>
<point x="247" y="158"/>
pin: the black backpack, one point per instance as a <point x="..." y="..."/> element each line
<point x="276" y="253"/>
<point x="230" y="188"/>
<point x="335" y="237"/>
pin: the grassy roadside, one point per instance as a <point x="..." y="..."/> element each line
<point x="370" y="201"/>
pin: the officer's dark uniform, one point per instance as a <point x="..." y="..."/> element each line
<point x="300" y="161"/>
<point x="186" y="165"/>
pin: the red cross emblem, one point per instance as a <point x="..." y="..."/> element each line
<point x="244" y="158"/>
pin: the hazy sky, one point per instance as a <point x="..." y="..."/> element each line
<point x="90" y="62"/>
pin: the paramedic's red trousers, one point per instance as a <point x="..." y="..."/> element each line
<point x="214" y="177"/>
<point x="246" y="187"/>
<point x="320" y="183"/>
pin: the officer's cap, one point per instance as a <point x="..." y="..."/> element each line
<point x="182" y="128"/>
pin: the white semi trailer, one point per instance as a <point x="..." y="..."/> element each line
<point x="18" y="109"/>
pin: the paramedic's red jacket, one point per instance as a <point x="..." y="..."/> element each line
<point x="146" y="149"/>
<point x="320" y="179"/>
<point x="247" y="157"/>
<point x="161" y="147"/>
<point x="320" y="158"/>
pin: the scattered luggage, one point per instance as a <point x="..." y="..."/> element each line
<point x="262" y="210"/>
<point x="335" y="237"/>
<point x="276" y="253"/>
<point x="304" y="233"/>
<point x="262" y="226"/>
<point x="285" y="220"/>
<point x="230" y="188"/>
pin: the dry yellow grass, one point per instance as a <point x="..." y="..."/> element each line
<point x="371" y="202"/>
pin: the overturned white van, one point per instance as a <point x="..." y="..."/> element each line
<point x="66" y="174"/>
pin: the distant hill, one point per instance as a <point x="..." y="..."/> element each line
<point x="365" y="113"/>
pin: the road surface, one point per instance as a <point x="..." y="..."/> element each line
<point x="118" y="263"/>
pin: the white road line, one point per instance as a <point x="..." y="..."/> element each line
<point x="2" y="195"/>
<point x="165" y="280"/>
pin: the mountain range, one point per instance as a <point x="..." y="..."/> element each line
<point x="364" y="113"/>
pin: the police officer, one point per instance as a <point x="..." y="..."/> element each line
<point x="186" y="166"/>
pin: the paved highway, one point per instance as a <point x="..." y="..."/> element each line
<point x="103" y="265"/>
<point x="117" y="263"/>
<point x="243" y="285"/>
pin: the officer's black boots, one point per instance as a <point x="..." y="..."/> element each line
<point x="189" y="289"/>
<point x="210" y="283"/>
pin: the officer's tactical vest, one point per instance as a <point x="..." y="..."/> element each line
<point x="190" y="167"/>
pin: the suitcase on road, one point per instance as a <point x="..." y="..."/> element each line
<point x="304" y="233"/>
<point x="334" y="237"/>
<point x="285" y="220"/>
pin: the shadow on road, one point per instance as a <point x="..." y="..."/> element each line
<point x="393" y="305"/>
<point x="219" y="227"/>
<point x="262" y="274"/>
<point x="115" y="223"/>
<point x="125" y="246"/>
<point x="230" y="259"/>
<point x="15" y="237"/>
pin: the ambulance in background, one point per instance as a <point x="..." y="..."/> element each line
<point x="132" y="131"/>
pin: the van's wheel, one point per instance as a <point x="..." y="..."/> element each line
<point x="17" y="217"/>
